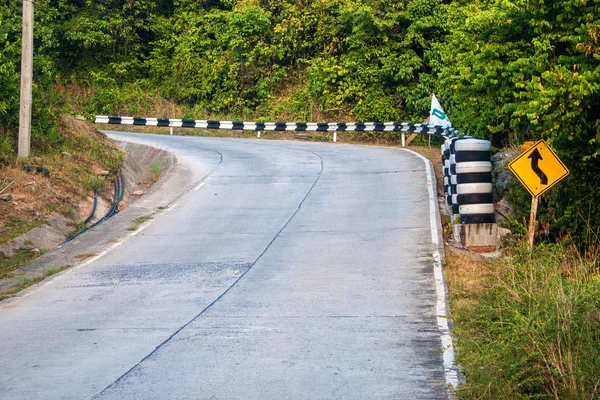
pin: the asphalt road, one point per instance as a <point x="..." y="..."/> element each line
<point x="288" y="270"/>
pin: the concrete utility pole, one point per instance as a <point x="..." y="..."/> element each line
<point x="26" y="79"/>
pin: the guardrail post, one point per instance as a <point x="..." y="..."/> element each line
<point x="403" y="139"/>
<point x="171" y="130"/>
<point x="470" y="191"/>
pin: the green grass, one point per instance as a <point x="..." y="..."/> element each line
<point x="135" y="224"/>
<point x="93" y="183"/>
<point x="26" y="282"/>
<point x="9" y="265"/>
<point x="155" y="170"/>
<point x="70" y="213"/>
<point x="16" y="229"/>
<point x="532" y="327"/>
<point x="76" y="230"/>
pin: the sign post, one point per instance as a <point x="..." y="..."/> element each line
<point x="532" y="219"/>
<point x="26" y="80"/>
<point x="538" y="169"/>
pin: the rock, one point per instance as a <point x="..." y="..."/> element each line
<point x="11" y="247"/>
<point x="503" y="232"/>
<point x="36" y="252"/>
<point x="103" y="172"/>
<point x="6" y="197"/>
<point x="67" y="154"/>
<point x="31" y="186"/>
<point x="64" y="197"/>
<point x="504" y="208"/>
<point x="501" y="174"/>
<point x="137" y="193"/>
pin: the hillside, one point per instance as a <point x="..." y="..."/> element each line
<point x="54" y="192"/>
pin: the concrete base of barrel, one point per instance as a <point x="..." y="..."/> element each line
<point x="478" y="237"/>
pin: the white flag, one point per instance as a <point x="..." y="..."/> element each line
<point x="437" y="116"/>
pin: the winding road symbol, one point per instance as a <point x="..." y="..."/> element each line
<point x="538" y="168"/>
<point x="535" y="158"/>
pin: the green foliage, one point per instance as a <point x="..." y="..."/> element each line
<point x="9" y="82"/>
<point x="516" y="71"/>
<point x="93" y="183"/>
<point x="218" y="60"/>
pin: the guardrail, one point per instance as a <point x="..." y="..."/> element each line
<point x="467" y="166"/>
<point x="334" y="127"/>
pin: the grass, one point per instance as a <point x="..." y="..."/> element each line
<point x="17" y="228"/>
<point x="9" y="265"/>
<point x="93" y="183"/>
<point x="77" y="229"/>
<point x="135" y="224"/>
<point x="26" y="282"/>
<point x="528" y="324"/>
<point x="155" y="170"/>
<point x="70" y="213"/>
<point x="84" y="256"/>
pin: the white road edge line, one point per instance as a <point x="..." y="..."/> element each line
<point x="200" y="185"/>
<point x="450" y="370"/>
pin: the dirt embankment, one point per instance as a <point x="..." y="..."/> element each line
<point x="41" y="207"/>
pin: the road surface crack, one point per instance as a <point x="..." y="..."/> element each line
<point x="123" y="376"/>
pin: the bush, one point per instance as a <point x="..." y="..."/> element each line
<point x="526" y="71"/>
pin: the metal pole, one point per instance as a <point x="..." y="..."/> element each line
<point x="26" y="78"/>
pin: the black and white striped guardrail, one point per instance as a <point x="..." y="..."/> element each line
<point x="282" y="126"/>
<point x="468" y="180"/>
<point x="467" y="166"/>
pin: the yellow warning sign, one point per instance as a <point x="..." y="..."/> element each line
<point x="538" y="168"/>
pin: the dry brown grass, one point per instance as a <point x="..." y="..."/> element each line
<point x="467" y="275"/>
<point x="84" y="256"/>
<point x="36" y="198"/>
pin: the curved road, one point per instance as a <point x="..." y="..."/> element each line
<point x="289" y="270"/>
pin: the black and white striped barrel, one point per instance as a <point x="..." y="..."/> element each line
<point x="471" y="180"/>
<point x="451" y="177"/>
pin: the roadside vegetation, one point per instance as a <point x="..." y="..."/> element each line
<point x="135" y="224"/>
<point x="60" y="178"/>
<point x="528" y="324"/>
<point x="24" y="283"/>
<point x="506" y="71"/>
